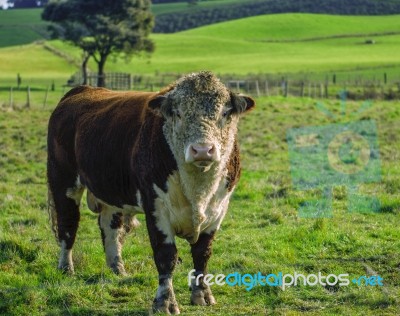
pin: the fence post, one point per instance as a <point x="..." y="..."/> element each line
<point x="286" y="88"/>
<point x="45" y="97"/>
<point x="266" y="88"/>
<point x="28" y="99"/>
<point x="257" y="89"/>
<point x="130" y="81"/>
<point x="302" y="89"/>
<point x="326" y="90"/>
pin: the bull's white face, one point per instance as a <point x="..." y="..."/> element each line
<point x="201" y="117"/>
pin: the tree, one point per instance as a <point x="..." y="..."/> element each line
<point x="16" y="4"/>
<point x="102" y="27"/>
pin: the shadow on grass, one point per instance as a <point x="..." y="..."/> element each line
<point x="92" y="312"/>
<point x="9" y="249"/>
<point x="21" y="88"/>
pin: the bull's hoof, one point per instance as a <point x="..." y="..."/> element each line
<point x="66" y="268"/>
<point x="202" y="297"/>
<point x="166" y="306"/>
<point x="118" y="268"/>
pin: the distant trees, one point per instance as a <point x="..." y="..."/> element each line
<point x="23" y="3"/>
<point x="19" y="4"/>
<point x="102" y="27"/>
<point x="178" y="21"/>
<point x="167" y="1"/>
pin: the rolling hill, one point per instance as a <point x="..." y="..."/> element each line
<point x="23" y="26"/>
<point x="283" y="43"/>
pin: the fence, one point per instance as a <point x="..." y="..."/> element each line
<point x="113" y="80"/>
<point x="359" y="88"/>
<point x="328" y="86"/>
<point x="38" y="92"/>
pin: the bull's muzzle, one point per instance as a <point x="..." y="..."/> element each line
<point x="201" y="154"/>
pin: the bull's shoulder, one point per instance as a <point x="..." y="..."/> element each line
<point x="233" y="167"/>
<point x="75" y="91"/>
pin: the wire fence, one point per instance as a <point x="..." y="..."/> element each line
<point x="45" y="92"/>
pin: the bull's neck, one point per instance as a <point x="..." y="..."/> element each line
<point x="199" y="188"/>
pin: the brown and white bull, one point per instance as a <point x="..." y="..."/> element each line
<point x="172" y="155"/>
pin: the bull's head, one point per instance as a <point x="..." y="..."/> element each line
<point x="201" y="117"/>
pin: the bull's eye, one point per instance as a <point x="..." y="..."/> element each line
<point x="226" y="113"/>
<point x="177" y="114"/>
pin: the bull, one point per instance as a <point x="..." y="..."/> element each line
<point x="172" y="155"/>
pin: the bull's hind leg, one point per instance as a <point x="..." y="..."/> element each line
<point x="64" y="199"/>
<point x="112" y="226"/>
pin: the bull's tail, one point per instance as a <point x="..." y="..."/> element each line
<point x="51" y="209"/>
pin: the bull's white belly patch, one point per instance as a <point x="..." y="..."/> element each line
<point x="97" y="205"/>
<point x="174" y="211"/>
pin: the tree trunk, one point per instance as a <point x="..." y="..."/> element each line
<point x="84" y="69"/>
<point x="101" y="79"/>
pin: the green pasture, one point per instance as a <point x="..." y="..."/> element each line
<point x="33" y="61"/>
<point x="21" y="26"/>
<point x="299" y="27"/>
<point x="261" y="232"/>
<point x="298" y="45"/>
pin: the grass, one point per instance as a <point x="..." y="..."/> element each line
<point x="261" y="232"/>
<point x="243" y="46"/>
<point x="263" y="44"/>
<point x="22" y="26"/>
<point x="33" y="61"/>
<point x="298" y="27"/>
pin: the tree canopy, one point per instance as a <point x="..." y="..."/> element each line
<point x="102" y="27"/>
<point x="18" y="4"/>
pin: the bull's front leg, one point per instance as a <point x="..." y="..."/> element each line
<point x="165" y="257"/>
<point x="201" y="252"/>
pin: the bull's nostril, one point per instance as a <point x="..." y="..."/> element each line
<point x="202" y="152"/>
<point x="194" y="151"/>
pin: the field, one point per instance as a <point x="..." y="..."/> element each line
<point x="23" y="26"/>
<point x="320" y="45"/>
<point x="262" y="231"/>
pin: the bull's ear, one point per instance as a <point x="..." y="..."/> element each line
<point x="160" y="104"/>
<point x="241" y="103"/>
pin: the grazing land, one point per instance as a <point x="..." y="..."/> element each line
<point x="288" y="44"/>
<point x="262" y="230"/>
